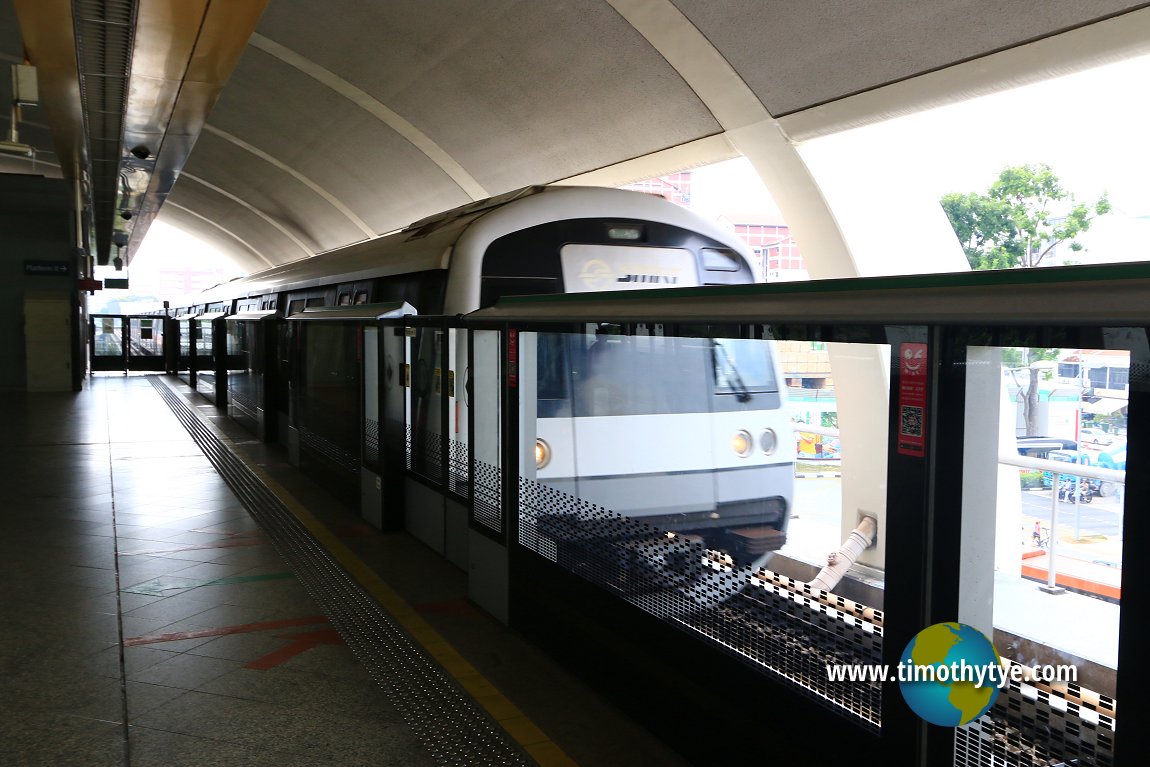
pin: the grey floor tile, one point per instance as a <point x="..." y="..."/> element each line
<point x="159" y="748"/>
<point x="143" y="698"/>
<point x="238" y="615"/>
<point x="185" y="671"/>
<point x="60" y="740"/>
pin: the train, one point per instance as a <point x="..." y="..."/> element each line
<point x="709" y="461"/>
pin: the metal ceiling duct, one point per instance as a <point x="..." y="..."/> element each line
<point x="105" y="35"/>
<point x="129" y="86"/>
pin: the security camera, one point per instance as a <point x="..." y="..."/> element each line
<point x="119" y="239"/>
<point x="141" y="152"/>
<point x="126" y="215"/>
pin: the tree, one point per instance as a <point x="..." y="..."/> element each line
<point x="1020" y="219"/>
<point x="1014" y="358"/>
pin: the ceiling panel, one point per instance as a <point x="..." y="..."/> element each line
<point x="272" y="191"/>
<point x="523" y="92"/>
<point x="227" y="215"/>
<point x="513" y="92"/>
<point x="349" y="153"/>
<point x="195" y="226"/>
<point x="796" y="55"/>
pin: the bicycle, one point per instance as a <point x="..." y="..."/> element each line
<point x="1040" y="535"/>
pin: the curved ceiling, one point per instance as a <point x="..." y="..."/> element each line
<point x="342" y="119"/>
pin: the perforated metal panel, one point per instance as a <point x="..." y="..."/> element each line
<point x="781" y="627"/>
<point x="337" y="456"/>
<point x="488" y="496"/>
<point x="1036" y="725"/>
<point x="424" y="454"/>
<point x="371" y="440"/>
<point x="459" y="470"/>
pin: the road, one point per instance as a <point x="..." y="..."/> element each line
<point x="1101" y="517"/>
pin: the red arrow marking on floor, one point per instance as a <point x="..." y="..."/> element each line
<point x="299" y="643"/>
<point x="225" y="630"/>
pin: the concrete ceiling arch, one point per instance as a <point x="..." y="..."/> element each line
<point x="295" y="126"/>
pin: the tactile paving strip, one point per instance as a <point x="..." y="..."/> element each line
<point x="453" y="728"/>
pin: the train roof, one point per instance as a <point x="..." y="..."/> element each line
<point x="427" y="244"/>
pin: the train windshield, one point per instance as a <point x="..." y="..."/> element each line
<point x="612" y="375"/>
<point x="742" y="366"/>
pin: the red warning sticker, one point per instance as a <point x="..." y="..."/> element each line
<point x="912" y="399"/>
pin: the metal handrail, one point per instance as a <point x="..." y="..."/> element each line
<point x="1063" y="467"/>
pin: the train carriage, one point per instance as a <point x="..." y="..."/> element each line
<point x="714" y="463"/>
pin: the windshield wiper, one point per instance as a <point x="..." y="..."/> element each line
<point x="742" y="394"/>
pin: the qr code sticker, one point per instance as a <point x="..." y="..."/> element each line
<point x="911" y="421"/>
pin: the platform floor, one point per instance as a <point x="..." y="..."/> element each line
<point x="148" y="621"/>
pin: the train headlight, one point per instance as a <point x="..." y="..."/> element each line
<point x="742" y="443"/>
<point x="542" y="453"/>
<point x="768" y="441"/>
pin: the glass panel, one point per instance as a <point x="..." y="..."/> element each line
<point x="425" y="415"/>
<point x="146" y="337"/>
<point x="184" y="366"/>
<point x="1043" y="506"/>
<point x="486" y="468"/>
<point x="663" y="469"/>
<point x="108" y="340"/>
<point x="371" y="420"/>
<point x="326" y="405"/>
<point x="205" y="362"/>
<point x="204" y="339"/>
<point x="458" y="404"/>
<point x="186" y="331"/>
<point x="245" y="373"/>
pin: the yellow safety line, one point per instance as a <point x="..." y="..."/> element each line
<point x="533" y="740"/>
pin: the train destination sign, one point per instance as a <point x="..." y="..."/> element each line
<point x="47" y="268"/>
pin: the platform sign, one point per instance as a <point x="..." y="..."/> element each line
<point x="34" y="268"/>
<point x="912" y="367"/>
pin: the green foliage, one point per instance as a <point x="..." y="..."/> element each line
<point x="1020" y="219"/>
<point x="1030" y="479"/>
<point x="1012" y="358"/>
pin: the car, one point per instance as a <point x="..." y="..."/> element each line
<point x="1114" y="458"/>
<point x="1090" y="436"/>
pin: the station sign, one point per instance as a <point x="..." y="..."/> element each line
<point x="34" y="268"/>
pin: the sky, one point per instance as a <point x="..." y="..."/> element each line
<point x="1090" y="127"/>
